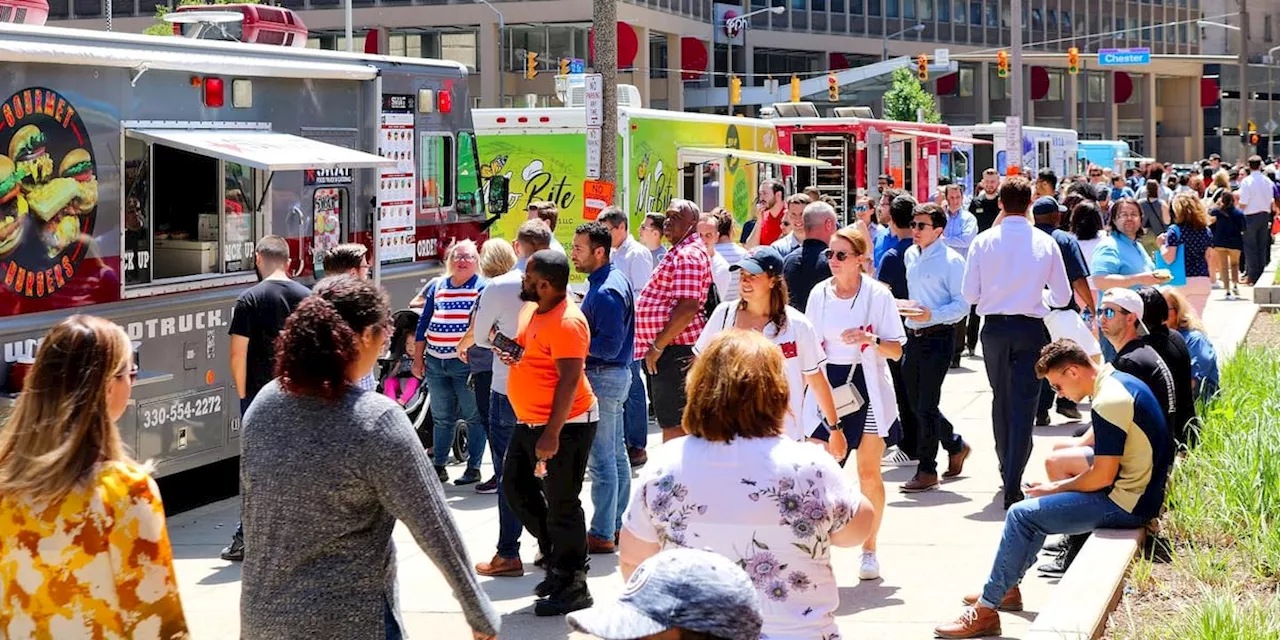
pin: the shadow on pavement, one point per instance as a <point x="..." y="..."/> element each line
<point x="223" y="575"/>
<point x="929" y="499"/>
<point x="869" y="594"/>
<point x="993" y="512"/>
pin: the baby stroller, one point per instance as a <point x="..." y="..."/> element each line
<point x="395" y="380"/>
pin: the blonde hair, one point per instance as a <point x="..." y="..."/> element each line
<point x="453" y="248"/>
<point x="1184" y="312"/>
<point x="854" y="237"/>
<point x="496" y="257"/>
<point x="737" y="389"/>
<point x="1222" y="179"/>
<point x="61" y="428"/>
<point x="1189" y="212"/>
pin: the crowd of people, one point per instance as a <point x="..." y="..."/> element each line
<point x="765" y="363"/>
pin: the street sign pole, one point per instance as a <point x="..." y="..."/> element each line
<point x="594" y="85"/>
<point x="1015" y="47"/>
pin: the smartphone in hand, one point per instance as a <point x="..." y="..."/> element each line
<point x="508" y="346"/>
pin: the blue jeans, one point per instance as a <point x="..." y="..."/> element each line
<point x="1028" y="523"/>
<point x="608" y="464"/>
<point x="637" y="413"/>
<point x="502" y="421"/>
<point x="393" y="627"/>
<point x="452" y="399"/>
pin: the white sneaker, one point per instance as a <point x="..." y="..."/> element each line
<point x="870" y="568"/>
<point x="896" y="456"/>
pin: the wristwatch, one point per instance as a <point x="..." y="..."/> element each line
<point x="830" y="427"/>
<point x="878" y="341"/>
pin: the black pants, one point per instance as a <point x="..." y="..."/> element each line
<point x="1010" y="346"/>
<point x="924" y="366"/>
<point x="1257" y="245"/>
<point x="551" y="507"/>
<point x="907" y="418"/>
<point x="967" y="332"/>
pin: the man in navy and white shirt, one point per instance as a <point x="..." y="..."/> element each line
<point x="1009" y="267"/>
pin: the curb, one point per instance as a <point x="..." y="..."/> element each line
<point x="1091" y="588"/>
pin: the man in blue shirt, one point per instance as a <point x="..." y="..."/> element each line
<point x="881" y="235"/>
<point x="935" y="274"/>
<point x="609" y="306"/>
<point x="962" y="228"/>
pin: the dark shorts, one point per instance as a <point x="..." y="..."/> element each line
<point x="861" y="421"/>
<point x="666" y="387"/>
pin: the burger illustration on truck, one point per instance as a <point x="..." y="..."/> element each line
<point x="13" y="207"/>
<point x="28" y="149"/>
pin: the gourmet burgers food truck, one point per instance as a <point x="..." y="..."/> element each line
<point x="138" y="172"/>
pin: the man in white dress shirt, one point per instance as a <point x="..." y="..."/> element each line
<point x="1256" y="195"/>
<point x="1006" y="275"/>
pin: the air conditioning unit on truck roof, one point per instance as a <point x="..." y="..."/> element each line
<point x="628" y="96"/>
<point x="260" y="24"/>
<point x="32" y="12"/>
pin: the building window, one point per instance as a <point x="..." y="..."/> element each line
<point x="1096" y="90"/>
<point x="1055" y="86"/>
<point x="975" y="13"/>
<point x="405" y="44"/>
<point x="1266" y="28"/>
<point x="944" y="11"/>
<point x="909" y="9"/>
<point x="991" y="14"/>
<point x="1182" y="33"/>
<point x="658" y="58"/>
<point x="964" y="88"/>
<point x="873" y="8"/>
<point x="1052" y="18"/>
<point x="1000" y="86"/>
<point x="957" y="12"/>
<point x="436" y="170"/>
<point x="855" y="7"/>
<point x="818" y="5"/>
<point x="837" y="7"/>
<point x="891" y="8"/>
<point x="925" y="9"/>
<point x="1037" y="19"/>
<point x="1066" y="21"/>
<point x="460" y="48"/>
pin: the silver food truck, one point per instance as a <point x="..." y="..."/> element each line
<point x="137" y="173"/>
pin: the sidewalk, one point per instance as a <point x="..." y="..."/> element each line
<point x="934" y="547"/>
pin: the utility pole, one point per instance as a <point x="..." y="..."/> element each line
<point x="604" y="20"/>
<point x="1244" y="78"/>
<point x="1015" y="49"/>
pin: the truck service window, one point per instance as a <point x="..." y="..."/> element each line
<point x="239" y="208"/>
<point x="184" y="214"/>
<point x="436" y="171"/>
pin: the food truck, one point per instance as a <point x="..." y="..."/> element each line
<point x="860" y="149"/>
<point x="138" y="172"/>
<point x="712" y="160"/>
<point x="1042" y="148"/>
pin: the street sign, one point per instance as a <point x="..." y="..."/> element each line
<point x="1271" y="126"/>
<point x="1124" y="57"/>
<point x="1013" y="145"/>
<point x="941" y="58"/>
<point x="595" y="100"/>
<point x="594" y="140"/>
<point x="596" y="195"/>
<point x="577" y="66"/>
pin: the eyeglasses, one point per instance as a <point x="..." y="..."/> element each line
<point x="1095" y="174"/>
<point x="838" y="256"/>
<point x="921" y="226"/>
<point x="131" y="374"/>
<point x="1109" y="313"/>
<point x="465" y="258"/>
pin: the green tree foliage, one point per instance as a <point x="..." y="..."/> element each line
<point x="906" y="95"/>
<point x="162" y="28"/>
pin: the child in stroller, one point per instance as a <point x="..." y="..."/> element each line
<point x="397" y="380"/>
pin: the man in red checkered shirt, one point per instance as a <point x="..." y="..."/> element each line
<point x="669" y="315"/>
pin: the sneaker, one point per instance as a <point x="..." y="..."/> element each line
<point x="441" y="473"/>
<point x="1217" y="285"/>
<point x="975" y="622"/>
<point x="1056" y="546"/>
<point x="488" y="486"/>
<point x="234" y="552"/>
<point x="1069" y="410"/>
<point x="1235" y="293"/>
<point x="896" y="456"/>
<point x="572" y="595"/>
<point x="1060" y="563"/>
<point x="869" y="569"/>
<point x="470" y="476"/>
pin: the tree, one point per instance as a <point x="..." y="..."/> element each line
<point x="906" y="95"/>
<point x="162" y="28"/>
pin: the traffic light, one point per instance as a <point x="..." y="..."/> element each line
<point x="735" y="90"/>
<point x="1002" y="64"/>
<point x="833" y="88"/>
<point x="922" y="68"/>
<point x="564" y="66"/>
<point x="530" y="65"/>
<point x="1073" y="61"/>
<point x="795" y="88"/>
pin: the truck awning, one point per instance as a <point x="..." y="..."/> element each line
<point x="1135" y="159"/>
<point x="715" y="153"/>
<point x="264" y="150"/>
<point x="54" y="52"/>
<point x="916" y="133"/>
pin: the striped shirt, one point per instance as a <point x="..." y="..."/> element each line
<point x="447" y="314"/>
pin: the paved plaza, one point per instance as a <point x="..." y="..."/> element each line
<point x="934" y="546"/>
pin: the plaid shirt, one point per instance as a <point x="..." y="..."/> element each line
<point x="683" y="274"/>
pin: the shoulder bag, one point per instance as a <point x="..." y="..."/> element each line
<point x="847" y="398"/>
<point x="1179" y="265"/>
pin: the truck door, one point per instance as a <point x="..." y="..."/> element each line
<point x="327" y="218"/>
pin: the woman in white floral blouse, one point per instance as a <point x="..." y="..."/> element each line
<point x="738" y="486"/>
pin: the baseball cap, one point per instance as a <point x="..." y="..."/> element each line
<point x="1045" y="205"/>
<point x="762" y="260"/>
<point x="1130" y="301"/>
<point x="686" y="589"/>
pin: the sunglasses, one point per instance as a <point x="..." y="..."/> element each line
<point x="132" y="374"/>
<point x="838" y="256"/>
<point x="921" y="226"/>
<point x="1110" y="313"/>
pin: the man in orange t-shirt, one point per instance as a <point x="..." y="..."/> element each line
<point x="557" y="416"/>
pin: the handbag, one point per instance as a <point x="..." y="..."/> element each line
<point x="1179" y="265"/>
<point x="847" y="398"/>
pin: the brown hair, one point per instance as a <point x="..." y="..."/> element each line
<point x="548" y="212"/>
<point x="60" y="428"/>
<point x="1015" y="195"/>
<point x="799" y="198"/>
<point x="854" y="237"/>
<point x="1189" y="212"/>
<point x="779" y="298"/>
<point x="319" y="338"/>
<point x="737" y="388"/>
<point x="345" y="257"/>
<point x="1061" y="353"/>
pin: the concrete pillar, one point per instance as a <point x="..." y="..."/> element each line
<point x="675" y="86"/>
<point x="982" y="91"/>
<point x="640" y="75"/>
<point x="1071" y="100"/>
<point x="1197" y="118"/>
<point x="1149" y="102"/>
<point x="490" y="64"/>
<point x="1107" y="110"/>
<point x="1029" y="105"/>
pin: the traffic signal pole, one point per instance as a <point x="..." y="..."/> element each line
<point x="1015" y="46"/>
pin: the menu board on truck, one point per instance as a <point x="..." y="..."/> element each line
<point x="397" y="184"/>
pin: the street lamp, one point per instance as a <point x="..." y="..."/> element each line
<point x="502" y="94"/>
<point x="734" y="25"/>
<point x="884" y="55"/>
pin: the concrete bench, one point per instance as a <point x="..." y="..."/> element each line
<point x="1084" y="598"/>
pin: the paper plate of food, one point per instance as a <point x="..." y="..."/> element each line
<point x="909" y="309"/>
<point x="1164" y="275"/>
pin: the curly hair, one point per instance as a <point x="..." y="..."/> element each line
<point x="321" y="337"/>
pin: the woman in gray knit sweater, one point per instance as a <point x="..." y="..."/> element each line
<point x="327" y="470"/>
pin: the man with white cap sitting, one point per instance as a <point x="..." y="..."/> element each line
<point x="679" y="594"/>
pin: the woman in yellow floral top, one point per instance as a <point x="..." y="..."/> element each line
<point x="83" y="548"/>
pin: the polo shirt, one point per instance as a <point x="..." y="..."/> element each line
<point x="1118" y="255"/>
<point x="558" y="334"/>
<point x="1072" y="258"/>
<point x="804" y="269"/>
<point x="1128" y="423"/>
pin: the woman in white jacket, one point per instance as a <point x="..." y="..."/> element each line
<point x="856" y="318"/>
